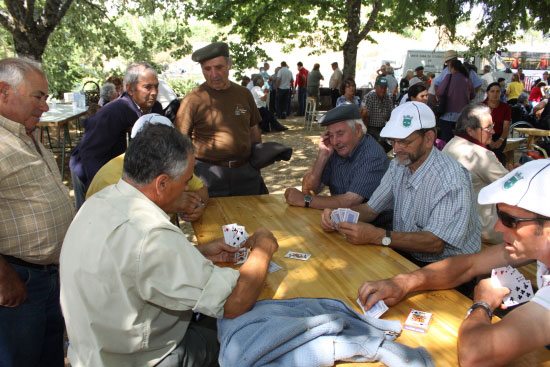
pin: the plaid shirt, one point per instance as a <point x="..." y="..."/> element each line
<point x="35" y="207"/>
<point x="378" y="110"/>
<point x="438" y="197"/>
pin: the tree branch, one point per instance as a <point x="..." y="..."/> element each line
<point x="6" y="21"/>
<point x="98" y="8"/>
<point x="368" y="26"/>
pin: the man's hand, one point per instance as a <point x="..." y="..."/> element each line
<point x="294" y="197"/>
<point x="195" y="214"/>
<point x="12" y="289"/>
<point x="360" y="233"/>
<point x="187" y="202"/>
<point x="326" y="222"/>
<point x="485" y="291"/>
<point x="263" y="240"/>
<point x="325" y="148"/>
<point x="218" y="251"/>
<point x="388" y="290"/>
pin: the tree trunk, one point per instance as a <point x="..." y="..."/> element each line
<point x="350" y="58"/>
<point x="28" y="45"/>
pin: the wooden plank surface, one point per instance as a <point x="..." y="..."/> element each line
<point x="336" y="269"/>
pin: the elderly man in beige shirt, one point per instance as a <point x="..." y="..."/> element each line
<point x="130" y="280"/>
<point x="35" y="212"/>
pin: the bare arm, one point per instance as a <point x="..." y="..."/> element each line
<point x="443" y="274"/>
<point x="312" y="178"/>
<point x="255" y="134"/>
<point x="295" y="197"/>
<point x="524" y="329"/>
<point x="252" y="274"/>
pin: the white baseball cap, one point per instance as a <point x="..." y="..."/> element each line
<point x="414" y="80"/>
<point x="525" y="187"/>
<point x="151" y="118"/>
<point x="407" y="118"/>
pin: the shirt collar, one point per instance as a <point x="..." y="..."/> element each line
<point x="12" y="126"/>
<point x="128" y="190"/>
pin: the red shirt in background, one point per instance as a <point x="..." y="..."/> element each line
<point x="500" y="114"/>
<point x="299" y="82"/>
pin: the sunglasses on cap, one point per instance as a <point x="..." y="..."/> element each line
<point x="512" y="222"/>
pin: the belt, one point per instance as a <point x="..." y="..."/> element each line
<point x="229" y="164"/>
<point x="17" y="261"/>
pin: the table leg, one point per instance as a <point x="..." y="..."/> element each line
<point x="65" y="133"/>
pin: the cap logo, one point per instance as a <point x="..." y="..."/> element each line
<point x="407" y="120"/>
<point x="512" y="180"/>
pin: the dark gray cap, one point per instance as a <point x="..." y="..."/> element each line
<point x="209" y="52"/>
<point x="346" y="111"/>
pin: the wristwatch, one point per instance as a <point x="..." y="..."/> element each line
<point x="481" y="304"/>
<point x="307" y="200"/>
<point x="386" y="241"/>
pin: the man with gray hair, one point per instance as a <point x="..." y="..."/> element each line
<point x="350" y="162"/>
<point x="35" y="212"/>
<point x="105" y="132"/>
<point x="221" y="118"/>
<point x="130" y="280"/>
<point x="107" y="93"/>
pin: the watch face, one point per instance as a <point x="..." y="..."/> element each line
<point x="308" y="198"/>
<point x="386" y="241"/>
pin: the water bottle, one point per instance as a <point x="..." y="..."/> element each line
<point x="76" y="97"/>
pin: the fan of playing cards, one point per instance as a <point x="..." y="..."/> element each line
<point x="343" y="215"/>
<point x="235" y="235"/>
<point x="520" y="289"/>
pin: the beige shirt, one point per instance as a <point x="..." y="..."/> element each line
<point x="35" y="207"/>
<point x="484" y="168"/>
<point x="130" y="281"/>
<point x="335" y="79"/>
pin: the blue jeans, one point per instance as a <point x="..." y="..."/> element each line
<point x="79" y="190"/>
<point x="302" y="94"/>
<point x="31" y="334"/>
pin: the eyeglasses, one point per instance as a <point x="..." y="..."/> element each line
<point x="401" y="143"/>
<point x="512" y="222"/>
<point x="488" y="128"/>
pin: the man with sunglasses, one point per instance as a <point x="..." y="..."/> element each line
<point x="434" y="209"/>
<point x="524" y="220"/>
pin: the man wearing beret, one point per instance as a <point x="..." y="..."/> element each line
<point x="221" y="118"/>
<point x="350" y="162"/>
<point x="521" y="198"/>
<point x="434" y="211"/>
<point x="379" y="106"/>
<point x="420" y="74"/>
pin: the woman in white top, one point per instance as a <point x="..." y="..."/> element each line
<point x="269" y="122"/>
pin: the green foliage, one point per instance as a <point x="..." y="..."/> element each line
<point x="182" y="86"/>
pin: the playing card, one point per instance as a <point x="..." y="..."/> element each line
<point x="376" y="310"/>
<point x="241" y="256"/>
<point x="234" y="235"/>
<point x="521" y="290"/>
<point x="520" y="293"/>
<point x="273" y="267"/>
<point x="418" y="321"/>
<point x="228" y="232"/>
<point x="335" y="217"/>
<point x="352" y="216"/>
<point x="298" y="255"/>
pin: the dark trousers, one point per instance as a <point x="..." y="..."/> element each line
<point x="79" y="190"/>
<point x="334" y="94"/>
<point x="302" y="94"/>
<point x="31" y="334"/>
<point x="199" y="347"/>
<point x="269" y="122"/>
<point x="283" y="101"/>
<point x="446" y="129"/>
<point x="224" y="181"/>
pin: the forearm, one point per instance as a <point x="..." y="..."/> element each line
<point x="203" y="193"/>
<point x="346" y="200"/>
<point x="255" y="134"/>
<point x="417" y="242"/>
<point x="251" y="280"/>
<point x="505" y="129"/>
<point x="474" y="329"/>
<point x="366" y="213"/>
<point x="312" y="178"/>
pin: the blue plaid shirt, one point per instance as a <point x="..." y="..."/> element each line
<point x="438" y="198"/>
<point x="360" y="172"/>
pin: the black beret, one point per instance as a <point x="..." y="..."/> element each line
<point x="209" y="52"/>
<point x="346" y="111"/>
<point x="418" y="68"/>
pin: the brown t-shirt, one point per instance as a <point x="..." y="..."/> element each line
<point x="218" y="121"/>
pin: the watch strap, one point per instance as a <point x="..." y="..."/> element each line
<point x="481" y="304"/>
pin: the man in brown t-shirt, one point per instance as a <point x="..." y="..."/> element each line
<point x="221" y="118"/>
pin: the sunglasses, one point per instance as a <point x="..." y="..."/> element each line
<point x="512" y="222"/>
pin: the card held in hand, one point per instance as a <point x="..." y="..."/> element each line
<point x="521" y="289"/>
<point x="377" y="310"/>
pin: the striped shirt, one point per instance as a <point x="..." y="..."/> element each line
<point x="438" y="197"/>
<point x="35" y="207"/>
<point x="360" y="172"/>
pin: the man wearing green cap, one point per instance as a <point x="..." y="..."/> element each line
<point x="221" y="118"/>
<point x="379" y="106"/>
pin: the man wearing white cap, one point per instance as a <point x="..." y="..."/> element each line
<point x="524" y="219"/>
<point x="193" y="200"/>
<point x="434" y="209"/>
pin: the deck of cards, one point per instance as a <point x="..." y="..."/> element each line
<point x="343" y="215"/>
<point x="520" y="289"/>
<point x="235" y="235"/>
<point x="376" y="310"/>
<point x="418" y="321"/>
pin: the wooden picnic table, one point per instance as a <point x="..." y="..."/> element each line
<point x="59" y="118"/>
<point x="336" y="269"/>
<point x="532" y="134"/>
